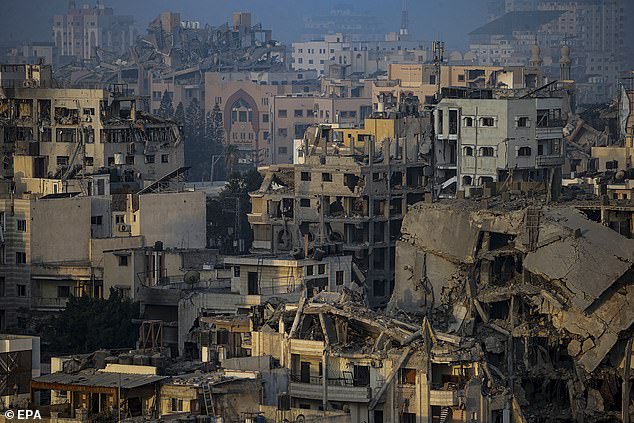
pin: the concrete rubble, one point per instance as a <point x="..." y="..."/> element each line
<point x="543" y="291"/>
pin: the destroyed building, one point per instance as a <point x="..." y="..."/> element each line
<point x="543" y="291"/>
<point x="347" y="193"/>
<point x="83" y="131"/>
<point x="292" y="114"/>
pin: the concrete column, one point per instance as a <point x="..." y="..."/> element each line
<point x="390" y="409"/>
<point x="424" y="406"/>
<point x="324" y="378"/>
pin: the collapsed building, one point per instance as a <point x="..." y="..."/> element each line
<point x="182" y="50"/>
<point x="543" y="291"/>
<point x="347" y="192"/>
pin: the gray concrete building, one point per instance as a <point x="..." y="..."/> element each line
<point x="498" y="138"/>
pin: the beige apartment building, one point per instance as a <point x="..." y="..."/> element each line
<point x="80" y="131"/>
<point x="422" y="80"/>
<point x="292" y="114"/>
<point x="245" y="101"/>
<point x="84" y="30"/>
<point x="52" y="246"/>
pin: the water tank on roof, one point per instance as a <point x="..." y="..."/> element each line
<point x="125" y="359"/>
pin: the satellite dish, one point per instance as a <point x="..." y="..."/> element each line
<point x="192" y="277"/>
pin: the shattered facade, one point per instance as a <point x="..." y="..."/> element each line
<point x="424" y="81"/>
<point x="292" y="114"/>
<point x="81" y="131"/>
<point x="348" y="193"/>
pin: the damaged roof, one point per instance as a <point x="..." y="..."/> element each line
<point x="98" y="379"/>
<point x="583" y="257"/>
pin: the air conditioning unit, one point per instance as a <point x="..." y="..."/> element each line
<point x="124" y="228"/>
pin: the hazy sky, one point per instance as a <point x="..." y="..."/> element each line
<point x="429" y="19"/>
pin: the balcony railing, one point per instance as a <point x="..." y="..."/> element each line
<point x="332" y="381"/>
<point x="40" y="302"/>
<point x="443" y="398"/>
<point x="336" y="392"/>
<point x="549" y="160"/>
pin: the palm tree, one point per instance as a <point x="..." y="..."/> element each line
<point x="231" y="158"/>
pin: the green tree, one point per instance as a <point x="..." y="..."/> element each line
<point x="214" y="134"/>
<point x="166" y="109"/>
<point x="179" y="114"/>
<point x="88" y="324"/>
<point x="194" y="123"/>
<point x="227" y="214"/>
<point x="197" y="149"/>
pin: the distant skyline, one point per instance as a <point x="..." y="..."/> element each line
<point x="449" y="20"/>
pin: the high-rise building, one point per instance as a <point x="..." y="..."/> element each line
<point x="597" y="32"/>
<point x="82" y="31"/>
<point x="345" y="19"/>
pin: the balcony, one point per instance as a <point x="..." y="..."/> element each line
<point x="551" y="160"/>
<point x="443" y="398"/>
<point x="257" y="217"/>
<point x="56" y="303"/>
<point x="336" y="391"/>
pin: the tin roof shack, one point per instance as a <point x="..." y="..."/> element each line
<point x="225" y="396"/>
<point x="543" y="290"/>
<point x="101" y="393"/>
<point x="19" y="363"/>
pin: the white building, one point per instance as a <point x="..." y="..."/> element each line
<point x="488" y="140"/>
<point x="361" y="56"/>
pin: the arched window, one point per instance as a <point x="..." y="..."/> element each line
<point x="487" y="151"/>
<point x="468" y="121"/>
<point x="241" y="111"/>
<point x="484" y="180"/>
<point x="524" y="152"/>
<point x="467" y="180"/>
<point x="467" y="151"/>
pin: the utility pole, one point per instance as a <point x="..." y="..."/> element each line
<point x="214" y="160"/>
<point x="236" y="223"/>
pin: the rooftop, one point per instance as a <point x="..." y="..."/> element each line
<point x="94" y="378"/>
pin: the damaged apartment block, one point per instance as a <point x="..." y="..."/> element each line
<point x="347" y="193"/>
<point x="543" y="296"/>
<point x="71" y="133"/>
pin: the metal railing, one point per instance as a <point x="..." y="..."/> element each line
<point x="549" y="160"/>
<point x="332" y="381"/>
